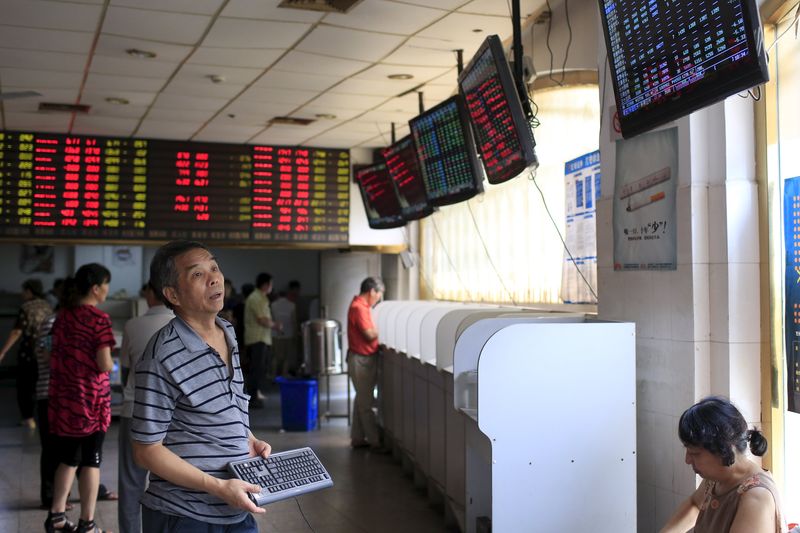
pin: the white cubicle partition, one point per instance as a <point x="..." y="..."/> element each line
<point x="552" y="442"/>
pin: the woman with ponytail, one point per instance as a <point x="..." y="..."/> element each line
<point x="736" y="495"/>
<point x="80" y="393"/>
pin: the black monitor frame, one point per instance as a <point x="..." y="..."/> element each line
<point x="499" y="168"/>
<point x="404" y="148"/>
<point x="711" y="88"/>
<point x="374" y="219"/>
<point x="474" y="184"/>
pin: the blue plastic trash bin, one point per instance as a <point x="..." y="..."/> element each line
<point x="298" y="403"/>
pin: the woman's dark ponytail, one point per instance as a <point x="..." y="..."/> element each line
<point x="758" y="443"/>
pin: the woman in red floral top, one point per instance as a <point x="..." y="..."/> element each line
<point x="80" y="393"/>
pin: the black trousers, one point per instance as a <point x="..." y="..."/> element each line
<point x="48" y="460"/>
<point x="258" y="357"/>
<point x="27" y="372"/>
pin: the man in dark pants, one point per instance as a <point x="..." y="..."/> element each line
<point x="258" y="325"/>
<point x="362" y="362"/>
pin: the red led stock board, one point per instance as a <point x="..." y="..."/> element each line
<point x="83" y="187"/>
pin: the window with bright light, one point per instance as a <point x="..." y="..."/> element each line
<point x="502" y="246"/>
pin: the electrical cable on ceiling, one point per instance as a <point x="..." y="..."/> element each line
<point x="795" y="22"/>
<point x="449" y="260"/>
<point x="571" y="258"/>
<point x="489" y="257"/>
<point x="569" y="41"/>
<point x="303" y="515"/>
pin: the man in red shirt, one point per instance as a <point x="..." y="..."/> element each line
<point x="362" y="362"/>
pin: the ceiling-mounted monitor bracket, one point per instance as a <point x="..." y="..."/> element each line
<point x="516" y="48"/>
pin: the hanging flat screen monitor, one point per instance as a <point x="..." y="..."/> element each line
<point x="503" y="135"/>
<point x="401" y="161"/>
<point x="446" y="153"/>
<point x="671" y="58"/>
<point x="380" y="199"/>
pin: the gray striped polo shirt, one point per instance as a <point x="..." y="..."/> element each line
<point x="186" y="399"/>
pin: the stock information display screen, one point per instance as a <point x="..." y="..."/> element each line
<point x="82" y="187"/>
<point x="401" y="161"/>
<point x="503" y="135"/>
<point x="671" y="58"/>
<point x="446" y="153"/>
<point x="380" y="198"/>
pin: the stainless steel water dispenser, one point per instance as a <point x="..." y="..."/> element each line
<point x="322" y="347"/>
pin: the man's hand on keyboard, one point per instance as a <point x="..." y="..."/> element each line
<point x="235" y="493"/>
<point x="259" y="447"/>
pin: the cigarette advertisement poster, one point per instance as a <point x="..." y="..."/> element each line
<point x="645" y="187"/>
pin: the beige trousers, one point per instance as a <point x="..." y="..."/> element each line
<point x="363" y="370"/>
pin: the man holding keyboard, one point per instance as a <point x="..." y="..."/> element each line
<point x="190" y="417"/>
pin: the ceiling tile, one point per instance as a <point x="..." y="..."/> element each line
<point x="113" y="46"/>
<point x="446" y="5"/>
<point x="282" y="96"/>
<point x="128" y="66"/>
<point x="400" y="118"/>
<point x="341" y="138"/>
<point x="34" y="79"/>
<point x="228" y="133"/>
<point x="192" y="103"/>
<point x="155" y="25"/>
<point x="31" y="104"/>
<point x="259" y="9"/>
<point x="349" y="44"/>
<point x="164" y="129"/>
<point x="456" y="31"/>
<point x="314" y="109"/>
<point x="37" y="39"/>
<point x="104" y="109"/>
<point x="136" y="99"/>
<point x="46" y="122"/>
<point x="254" y="113"/>
<point x="104" y="82"/>
<point x="242" y="33"/>
<point x="180" y="115"/>
<point x="235" y="57"/>
<point x="386" y="17"/>
<point x="348" y="101"/>
<point x="319" y="64"/>
<point x="52" y="15"/>
<point x="418" y="52"/>
<point x="503" y="9"/>
<point x="384" y="89"/>
<point x="89" y="125"/>
<point x="381" y="72"/>
<point x="289" y="80"/>
<point x="199" y="75"/>
<point x="199" y="7"/>
<point x="37" y="59"/>
<point x="204" y="89"/>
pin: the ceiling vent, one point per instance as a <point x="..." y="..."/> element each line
<point x="327" y="6"/>
<point x="64" y="108"/>
<point x="291" y="121"/>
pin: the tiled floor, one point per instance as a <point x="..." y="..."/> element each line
<point x="371" y="493"/>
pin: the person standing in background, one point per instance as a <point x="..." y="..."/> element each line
<point x="258" y="326"/>
<point x="362" y="363"/>
<point x="133" y="478"/>
<point x="284" y="340"/>
<point x="33" y="312"/>
<point x="80" y="392"/>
